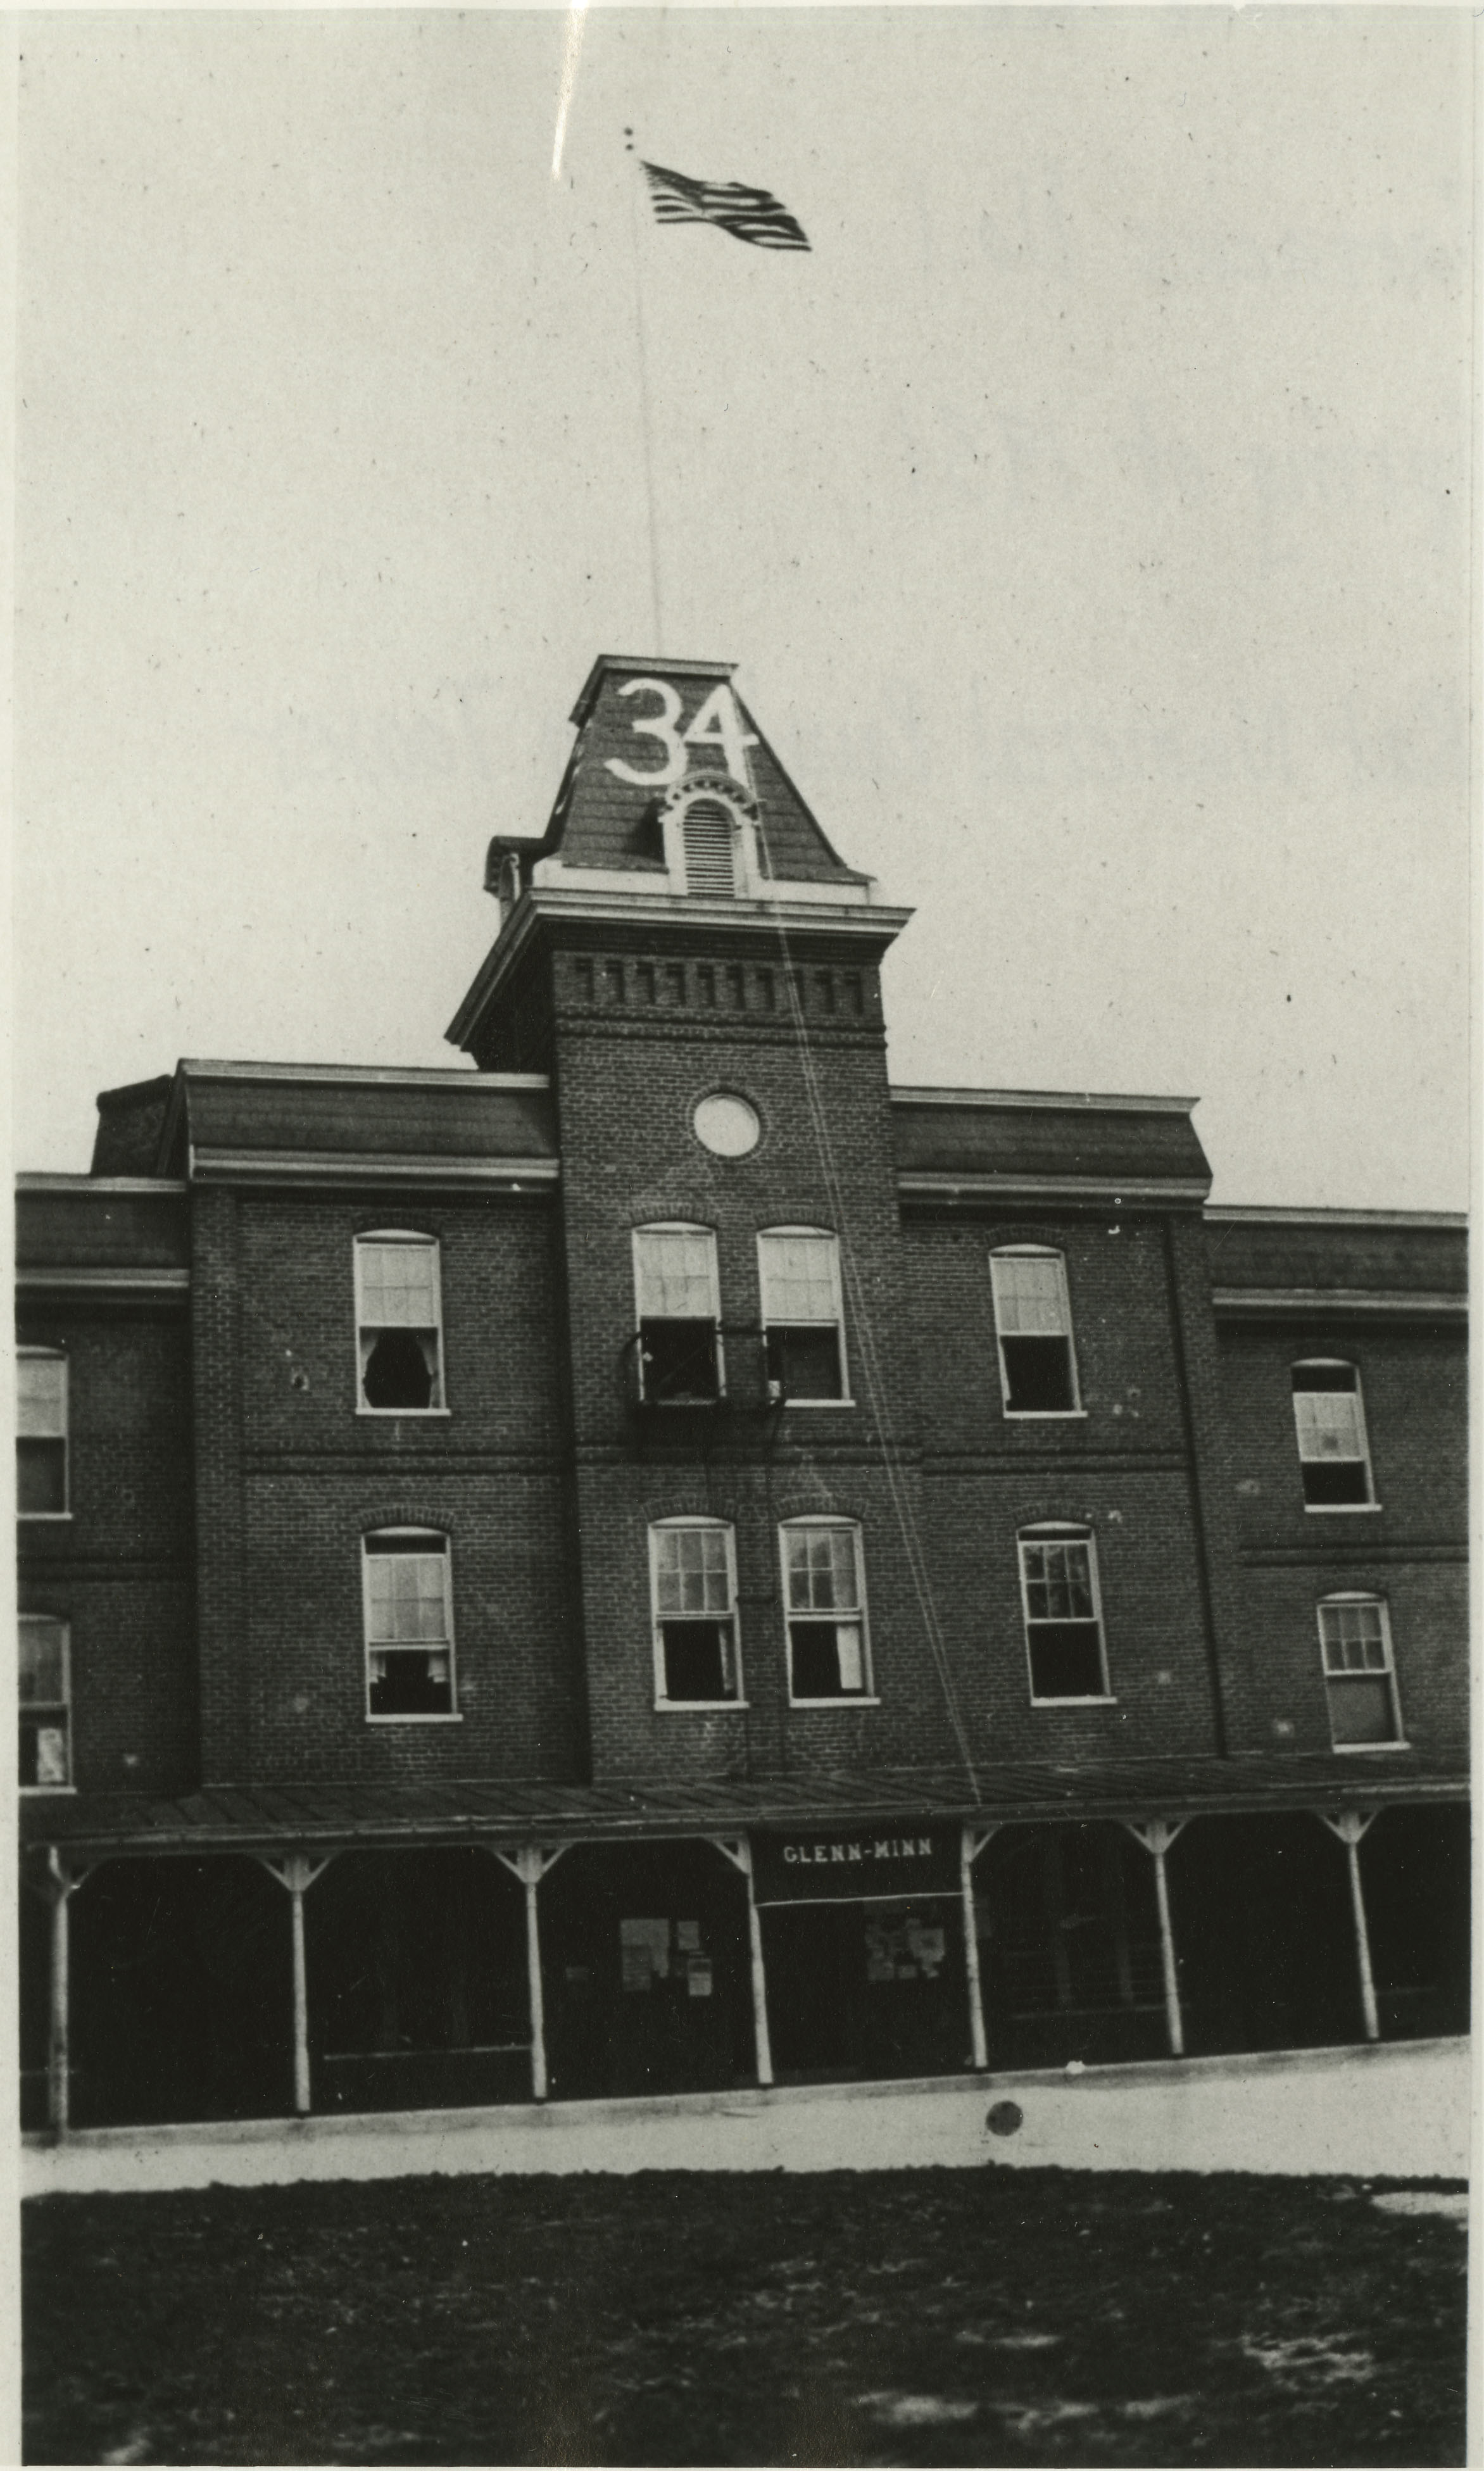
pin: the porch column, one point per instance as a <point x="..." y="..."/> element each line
<point x="530" y="1864"/>
<point x="971" y="1845"/>
<point x="62" y="1879"/>
<point x="738" y="1852"/>
<point x="298" y="1872"/>
<point x="1157" y="1836"/>
<point x="1350" y="1826"/>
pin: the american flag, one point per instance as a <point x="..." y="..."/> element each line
<point x="748" y="214"/>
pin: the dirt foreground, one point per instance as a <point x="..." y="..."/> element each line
<point x="904" y="2318"/>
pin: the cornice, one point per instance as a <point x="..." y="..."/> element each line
<point x="865" y="923"/>
<point x="1264" y="1304"/>
<point x="1096" y="1191"/>
<point x="1082" y="1101"/>
<point x="338" y="1169"/>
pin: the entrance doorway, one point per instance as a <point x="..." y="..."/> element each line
<point x="865" y="1989"/>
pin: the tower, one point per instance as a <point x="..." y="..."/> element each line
<point x="698" y="970"/>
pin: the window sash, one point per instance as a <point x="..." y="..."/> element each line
<point x="397" y="1285"/>
<point x="675" y="1274"/>
<point x="1057" y="1578"/>
<point x="41" y="1397"/>
<point x="41" y="1674"/>
<point x="692" y="1571"/>
<point x="406" y="1599"/>
<point x="1330" y="1425"/>
<point x="800" y="1280"/>
<point x="822" y="1569"/>
<point x="1353" y="1639"/>
<point x="1030" y="1295"/>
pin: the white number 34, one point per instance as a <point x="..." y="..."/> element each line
<point x="718" y="725"/>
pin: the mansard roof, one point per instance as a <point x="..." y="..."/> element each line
<point x="603" y="821"/>
<point x="978" y="1145"/>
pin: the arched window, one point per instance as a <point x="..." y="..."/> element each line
<point x="678" y="1305"/>
<point x="1063" y="1631"/>
<point x="40" y="1433"/>
<point x="1329" y="1417"/>
<point x="1359" y="1672"/>
<point x="824" y="1610"/>
<point x="709" y="839"/>
<point x="409" y="1624"/>
<point x="399" y="1324"/>
<point x="1038" y="1372"/>
<point x="693" y="1577"/>
<point x="800" y="1280"/>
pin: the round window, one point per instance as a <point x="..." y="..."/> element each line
<point x="726" y="1125"/>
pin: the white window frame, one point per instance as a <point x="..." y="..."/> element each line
<point x="1334" y="1364"/>
<point x="50" y="1355"/>
<point x="825" y="1235"/>
<point x="62" y="1706"/>
<point x="723" y="1527"/>
<point x="1035" y="1415"/>
<point x="867" y="1696"/>
<point x="1387" y="1673"/>
<point x="449" y="1715"/>
<point x="679" y="1227"/>
<point x="417" y="1239"/>
<point x="1063" y="1532"/>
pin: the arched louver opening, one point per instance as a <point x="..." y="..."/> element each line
<point x="710" y="839"/>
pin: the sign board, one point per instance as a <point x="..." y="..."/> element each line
<point x="915" y="1857"/>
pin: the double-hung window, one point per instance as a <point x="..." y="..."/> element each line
<point x="1361" y="1678"/>
<point x="399" y="1324"/>
<point x="45" y="1705"/>
<point x="409" y="1624"/>
<point x="678" y="1298"/>
<point x="692" y="1572"/>
<point x="41" y="1433"/>
<point x="824" y="1601"/>
<point x="1038" y="1372"/>
<point x="799" y="1278"/>
<point x="1064" y="1632"/>
<point x="1329" y="1417"/>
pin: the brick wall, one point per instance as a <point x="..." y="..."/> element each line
<point x="1410" y="1550"/>
<point x="298" y="1475"/>
<point x="119" y="1569"/>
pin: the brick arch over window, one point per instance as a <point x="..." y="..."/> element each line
<point x="405" y="1513"/>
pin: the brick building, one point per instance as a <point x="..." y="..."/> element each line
<point x="654" y="1560"/>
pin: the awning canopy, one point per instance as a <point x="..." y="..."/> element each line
<point x="258" y="1818"/>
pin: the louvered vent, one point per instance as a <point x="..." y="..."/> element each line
<point x="710" y="866"/>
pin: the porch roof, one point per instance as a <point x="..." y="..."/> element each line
<point x="250" y="1819"/>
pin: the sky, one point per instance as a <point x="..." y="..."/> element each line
<point x="1086" y="513"/>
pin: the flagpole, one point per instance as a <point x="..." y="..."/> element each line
<point x="644" y="403"/>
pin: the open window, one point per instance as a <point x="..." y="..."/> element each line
<point x="1329" y="1417"/>
<point x="799" y="1278"/>
<point x="41" y="1433"/>
<point x="824" y="1599"/>
<point x="409" y="1625"/>
<point x="692" y="1571"/>
<point x="399" y="1324"/>
<point x="1359" y="1672"/>
<point x="45" y="1705"/>
<point x="1038" y="1372"/>
<point x="679" y="1310"/>
<point x="1064" y="1632"/>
